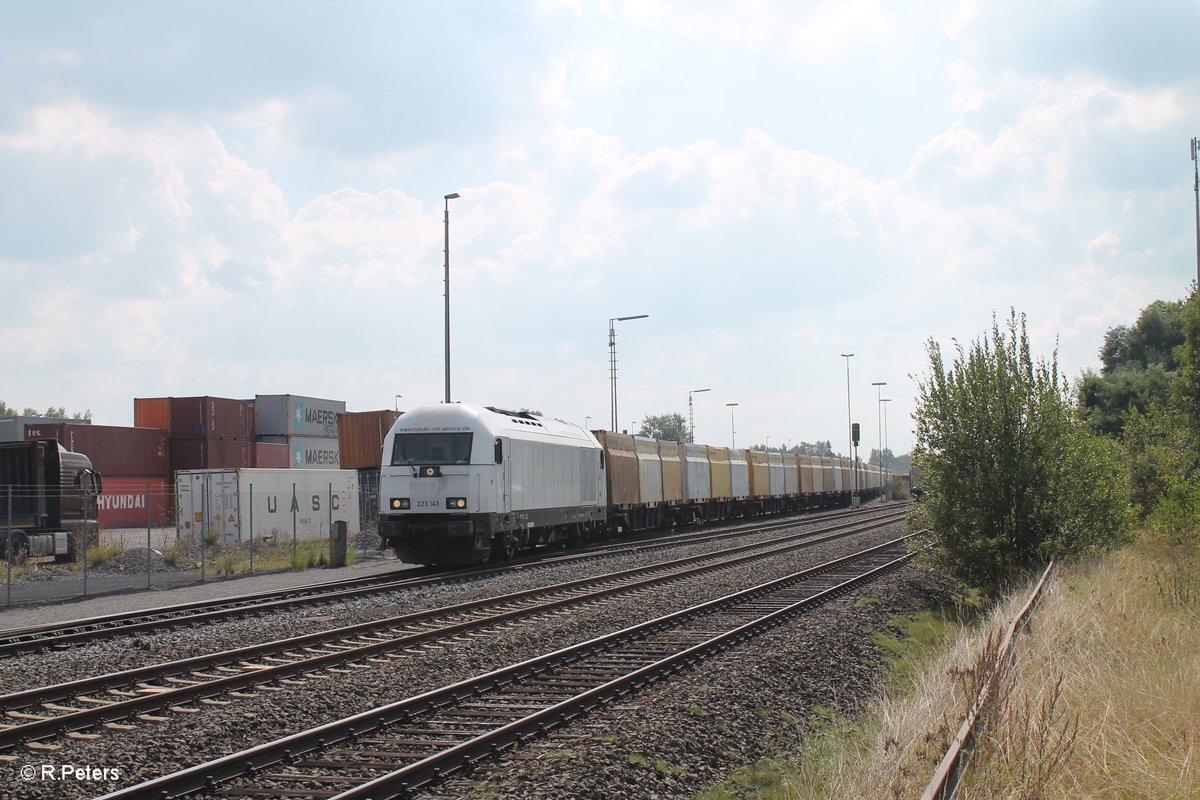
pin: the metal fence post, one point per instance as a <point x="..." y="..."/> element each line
<point x="149" y="517"/>
<point x="8" y="552"/>
<point x="86" y="495"/>
<point x="294" y="508"/>
<point x="203" y="519"/>
<point x="252" y="529"/>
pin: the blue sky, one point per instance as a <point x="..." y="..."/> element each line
<point x="230" y="198"/>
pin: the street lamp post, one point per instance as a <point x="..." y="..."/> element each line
<point x="888" y="479"/>
<point x="732" y="427"/>
<point x="850" y="427"/>
<point x="587" y="422"/>
<point x="398" y="401"/>
<point x="612" y="360"/>
<point x="448" y="198"/>
<point x="691" y="417"/>
<point x="878" y="424"/>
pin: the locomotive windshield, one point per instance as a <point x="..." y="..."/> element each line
<point x="428" y="449"/>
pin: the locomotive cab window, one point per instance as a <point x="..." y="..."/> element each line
<point x="431" y="448"/>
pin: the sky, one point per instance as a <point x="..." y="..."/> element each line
<point x="230" y="199"/>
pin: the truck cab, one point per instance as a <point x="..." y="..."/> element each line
<point x="48" y="499"/>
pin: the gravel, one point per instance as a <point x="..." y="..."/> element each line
<point x="151" y="648"/>
<point x="217" y="730"/>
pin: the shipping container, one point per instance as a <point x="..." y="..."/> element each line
<point x="272" y="456"/>
<point x="650" y="483"/>
<point x="775" y="467"/>
<point x="270" y="504"/>
<point x="791" y="474"/>
<point x="827" y="473"/>
<point x="360" y="437"/>
<point x="12" y="429"/>
<point x="113" y="450"/>
<point x="621" y="468"/>
<point x="760" y="476"/>
<point x="211" y="454"/>
<point x="195" y="417"/>
<point x="839" y="480"/>
<point x="308" y="452"/>
<point x="294" y="415"/>
<point x="718" y="464"/>
<point x="672" y="471"/>
<point x="739" y="474"/>
<point x="804" y="464"/>
<point x="135" y="502"/>
<point x="697" y="472"/>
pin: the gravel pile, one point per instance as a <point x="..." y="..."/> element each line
<point x="139" y="754"/>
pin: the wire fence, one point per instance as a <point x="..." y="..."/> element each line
<point x="63" y="545"/>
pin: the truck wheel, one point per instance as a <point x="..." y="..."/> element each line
<point x="20" y="546"/>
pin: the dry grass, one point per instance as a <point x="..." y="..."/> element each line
<point x="1103" y="700"/>
<point x="1116" y="649"/>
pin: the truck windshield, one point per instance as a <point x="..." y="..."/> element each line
<point x="431" y="448"/>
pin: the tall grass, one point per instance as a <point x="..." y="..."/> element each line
<point x="1103" y="699"/>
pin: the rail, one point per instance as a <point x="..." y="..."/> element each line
<point x="945" y="779"/>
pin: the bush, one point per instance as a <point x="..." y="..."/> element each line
<point x="1012" y="475"/>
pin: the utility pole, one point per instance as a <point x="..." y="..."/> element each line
<point x="1196" y="189"/>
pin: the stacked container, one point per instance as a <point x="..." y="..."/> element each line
<point x="134" y="463"/>
<point x="308" y="426"/>
<point x="205" y="432"/>
<point x="360" y="447"/>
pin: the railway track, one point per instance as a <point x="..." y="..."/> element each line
<point x="119" y="699"/>
<point x="16" y="641"/>
<point x="402" y="747"/>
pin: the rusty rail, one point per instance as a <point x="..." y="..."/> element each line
<point x="945" y="779"/>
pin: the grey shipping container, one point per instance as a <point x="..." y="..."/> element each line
<point x="294" y="415"/>
<point x="12" y="429"/>
<point x="308" y="452"/>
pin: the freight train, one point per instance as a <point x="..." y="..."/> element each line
<point x="460" y="484"/>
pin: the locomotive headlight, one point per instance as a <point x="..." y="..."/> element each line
<point x="399" y="503"/>
<point x="456" y="503"/>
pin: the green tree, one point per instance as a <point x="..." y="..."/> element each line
<point x="672" y="427"/>
<point x="7" y="411"/>
<point x="1185" y="393"/>
<point x="1012" y="475"/>
<point x="1138" y="364"/>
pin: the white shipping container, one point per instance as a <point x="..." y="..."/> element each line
<point x="697" y="473"/>
<point x="649" y="469"/>
<point x="739" y="473"/>
<point x="293" y="415"/>
<point x="775" y="472"/>
<point x="270" y="502"/>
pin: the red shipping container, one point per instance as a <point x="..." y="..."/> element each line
<point x="125" y="503"/>
<point x="271" y="456"/>
<point x="114" y="450"/>
<point x="196" y="417"/>
<point x="210" y="454"/>
<point x="360" y="437"/>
